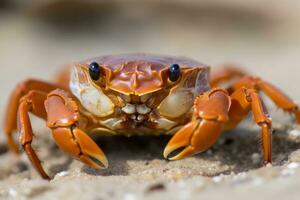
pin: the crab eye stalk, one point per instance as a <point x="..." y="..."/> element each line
<point x="174" y="72"/>
<point x="94" y="70"/>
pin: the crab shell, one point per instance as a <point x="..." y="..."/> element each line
<point x="140" y="80"/>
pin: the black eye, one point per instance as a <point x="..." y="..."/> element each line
<point x="94" y="70"/>
<point x="174" y="72"/>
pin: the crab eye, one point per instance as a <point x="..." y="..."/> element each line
<point x="94" y="70"/>
<point x="174" y="72"/>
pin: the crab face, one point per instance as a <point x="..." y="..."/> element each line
<point x="139" y="85"/>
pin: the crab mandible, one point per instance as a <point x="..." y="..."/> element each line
<point x="140" y="94"/>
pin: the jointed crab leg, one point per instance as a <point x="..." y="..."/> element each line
<point x="210" y="114"/>
<point x="277" y="96"/>
<point x="32" y="102"/>
<point x="10" y="123"/>
<point x="242" y="101"/>
<point x="62" y="117"/>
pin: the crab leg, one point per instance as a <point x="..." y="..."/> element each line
<point x="277" y="96"/>
<point x="32" y="102"/>
<point x="280" y="99"/>
<point x="244" y="100"/>
<point x="10" y="120"/>
<point x="210" y="114"/>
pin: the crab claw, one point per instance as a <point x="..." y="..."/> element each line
<point x="80" y="146"/>
<point x="62" y="117"/>
<point x="197" y="136"/>
<point x="210" y="114"/>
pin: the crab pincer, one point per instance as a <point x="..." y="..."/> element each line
<point x="210" y="115"/>
<point x="63" y="118"/>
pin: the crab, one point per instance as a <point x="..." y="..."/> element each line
<point x="141" y="94"/>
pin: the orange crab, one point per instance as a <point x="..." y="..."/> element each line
<point x="140" y="94"/>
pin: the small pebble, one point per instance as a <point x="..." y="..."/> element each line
<point x="156" y="187"/>
<point x="295" y="156"/>
<point x="62" y="174"/>
<point x="269" y="165"/>
<point x="217" y="179"/>
<point x="12" y="192"/>
<point x="255" y="158"/>
<point x="287" y="172"/>
<point x="294" y="133"/>
<point x="130" y="196"/>
<point x="290" y="169"/>
<point x="240" y="177"/>
<point x="293" y="165"/>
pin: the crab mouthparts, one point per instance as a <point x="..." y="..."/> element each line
<point x="136" y="112"/>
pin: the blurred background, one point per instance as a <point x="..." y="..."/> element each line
<point x="38" y="37"/>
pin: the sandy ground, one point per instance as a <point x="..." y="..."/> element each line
<point x="265" y="43"/>
<point x="138" y="171"/>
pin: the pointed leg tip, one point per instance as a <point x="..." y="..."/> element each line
<point x="46" y="177"/>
